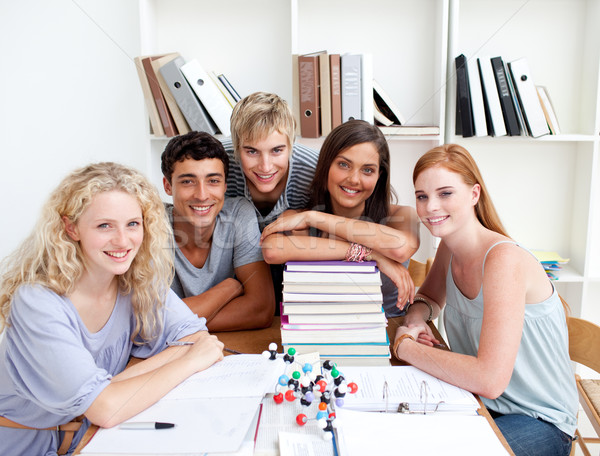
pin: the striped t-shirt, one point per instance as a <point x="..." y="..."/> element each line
<point x="303" y="163"/>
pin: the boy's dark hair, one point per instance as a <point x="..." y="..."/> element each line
<point x="196" y="145"/>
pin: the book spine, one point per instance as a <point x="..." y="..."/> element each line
<point x="508" y="109"/>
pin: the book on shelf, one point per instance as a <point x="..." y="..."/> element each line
<point x="161" y="105"/>
<point x="155" y="122"/>
<point x="366" y="88"/>
<point x="331" y="307"/>
<point x="386" y="106"/>
<point x="336" y="90"/>
<point x="331" y="266"/>
<point x="535" y="119"/>
<point x="379" y="117"/>
<point x="331" y="277"/>
<point x="308" y="81"/>
<point x="375" y="317"/>
<point x="234" y="93"/>
<point x="491" y="99"/>
<point x="296" y="93"/>
<point x="179" y="119"/>
<point x="548" y="108"/>
<point x="479" y="117"/>
<point x="410" y="130"/>
<point x="194" y="112"/>
<point x="516" y="102"/>
<point x="222" y="89"/>
<point x="506" y="102"/>
<point x="464" y="113"/>
<point x="351" y="73"/>
<point x="209" y="95"/>
<point x="324" y="94"/>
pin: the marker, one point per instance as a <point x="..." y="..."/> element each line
<point x="146" y="425"/>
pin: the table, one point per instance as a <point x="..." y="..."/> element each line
<point x="258" y="340"/>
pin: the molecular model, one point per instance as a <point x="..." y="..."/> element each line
<point x="328" y="387"/>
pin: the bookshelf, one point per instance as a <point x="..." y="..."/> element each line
<point x="547" y="190"/>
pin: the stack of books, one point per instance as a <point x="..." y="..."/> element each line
<point x="551" y="261"/>
<point x="335" y="308"/>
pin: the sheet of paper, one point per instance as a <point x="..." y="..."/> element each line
<point x="360" y="433"/>
<point x="201" y="426"/>
<point x="295" y="444"/>
<point x="404" y="384"/>
<point x="234" y="376"/>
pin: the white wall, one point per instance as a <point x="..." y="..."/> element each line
<point x="69" y="95"/>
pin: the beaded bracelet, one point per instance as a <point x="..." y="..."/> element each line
<point x="358" y="253"/>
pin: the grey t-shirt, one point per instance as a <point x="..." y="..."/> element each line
<point x="235" y="243"/>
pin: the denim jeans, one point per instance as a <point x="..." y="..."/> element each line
<point x="528" y="436"/>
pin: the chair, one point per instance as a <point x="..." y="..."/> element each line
<point x="584" y="344"/>
<point x="418" y="271"/>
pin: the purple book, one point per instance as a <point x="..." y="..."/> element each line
<point x="331" y="266"/>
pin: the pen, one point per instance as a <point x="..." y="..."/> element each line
<point x="146" y="425"/>
<point x="179" y="343"/>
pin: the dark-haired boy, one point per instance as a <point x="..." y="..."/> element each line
<point x="219" y="269"/>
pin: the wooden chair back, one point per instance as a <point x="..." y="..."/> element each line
<point x="418" y="271"/>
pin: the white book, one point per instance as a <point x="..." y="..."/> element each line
<point x="476" y="98"/>
<point x="488" y="84"/>
<point x="209" y="94"/>
<point x="332" y="277"/>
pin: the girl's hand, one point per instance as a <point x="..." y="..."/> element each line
<point x="290" y="220"/>
<point x="399" y="275"/>
<point x="206" y="351"/>
<point x="421" y="333"/>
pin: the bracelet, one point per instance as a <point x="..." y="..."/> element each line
<point x="399" y="340"/>
<point x="358" y="253"/>
<point x="428" y="304"/>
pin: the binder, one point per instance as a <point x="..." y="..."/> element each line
<point x="209" y="94"/>
<point x="508" y="108"/>
<point x="336" y="90"/>
<point x="491" y="99"/>
<point x="366" y="88"/>
<point x="530" y="102"/>
<point x="351" y="86"/>
<point x="308" y="80"/>
<point x="479" y="119"/>
<point x="155" y="122"/>
<point x="180" y="122"/>
<point x="163" y="111"/>
<point x="193" y="111"/>
<point x="464" y="113"/>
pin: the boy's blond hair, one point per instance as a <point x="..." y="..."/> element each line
<point x="257" y="116"/>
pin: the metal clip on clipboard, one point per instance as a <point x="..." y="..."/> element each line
<point x="404" y="407"/>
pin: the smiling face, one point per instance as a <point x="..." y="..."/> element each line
<point x="265" y="164"/>
<point x="352" y="178"/>
<point x="444" y="201"/>
<point x="110" y="232"/>
<point x="198" y="191"/>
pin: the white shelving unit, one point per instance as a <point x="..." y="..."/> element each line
<point x="546" y="190"/>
